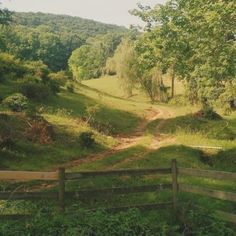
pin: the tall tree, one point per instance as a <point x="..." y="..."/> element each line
<point x="197" y="42"/>
<point x="124" y="62"/>
<point x="89" y="60"/>
<point x="5" y="16"/>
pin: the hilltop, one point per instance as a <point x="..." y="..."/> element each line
<point x="63" y="23"/>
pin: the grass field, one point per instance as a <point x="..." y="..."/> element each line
<point x="130" y="133"/>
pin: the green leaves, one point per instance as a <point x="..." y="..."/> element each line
<point x="193" y="39"/>
<point x="89" y="60"/>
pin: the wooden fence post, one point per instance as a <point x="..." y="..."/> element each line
<point x="174" y="182"/>
<point x="61" y="193"/>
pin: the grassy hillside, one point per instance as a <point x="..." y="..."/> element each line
<point x="113" y="115"/>
<point x="130" y="133"/>
<point x="58" y="23"/>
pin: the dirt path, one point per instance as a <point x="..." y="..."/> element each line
<point x="159" y="139"/>
<point x="125" y="142"/>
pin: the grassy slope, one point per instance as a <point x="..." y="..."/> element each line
<point x="188" y="131"/>
<point x="65" y="111"/>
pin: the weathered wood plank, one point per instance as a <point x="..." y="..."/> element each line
<point x="226" y="216"/>
<point x="61" y="192"/>
<point x="93" y="193"/>
<point x="140" y="207"/>
<point x="174" y="183"/>
<point x="228" y="196"/>
<point x="27" y="195"/>
<point x="222" y="175"/>
<point x="130" y="172"/>
<point x="28" y="175"/>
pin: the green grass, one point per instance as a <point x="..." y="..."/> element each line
<point x="76" y="105"/>
<point x="116" y="115"/>
<point x="26" y="155"/>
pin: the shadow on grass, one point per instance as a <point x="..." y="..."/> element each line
<point x="142" y="157"/>
<point x="225" y="160"/>
<point x="217" y="129"/>
<point x="119" y="121"/>
<point x="23" y="154"/>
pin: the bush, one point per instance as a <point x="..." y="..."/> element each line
<point x="82" y="223"/>
<point x="86" y="139"/>
<point x="60" y="77"/>
<point x="70" y="87"/>
<point x="40" y="131"/>
<point x="179" y="100"/>
<point x="7" y="132"/>
<point x="16" y="102"/>
<point x="11" y="68"/>
<point x="199" y="221"/>
<point x="35" y="90"/>
<point x="207" y="112"/>
<point x="54" y="86"/>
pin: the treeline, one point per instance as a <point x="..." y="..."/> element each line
<point x="89" y="60"/>
<point x="34" y="53"/>
<point x="194" y="42"/>
<point x="49" y="38"/>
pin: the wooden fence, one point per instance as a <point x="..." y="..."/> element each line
<point x="62" y="177"/>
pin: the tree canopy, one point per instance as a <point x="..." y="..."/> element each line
<point x="50" y="38"/>
<point x="89" y="60"/>
<point x="193" y="39"/>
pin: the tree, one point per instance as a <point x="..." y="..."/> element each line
<point x="197" y="42"/>
<point x="5" y="16"/>
<point x="124" y="63"/>
<point x="52" y="38"/>
<point x="89" y="60"/>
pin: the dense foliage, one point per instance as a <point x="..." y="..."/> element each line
<point x="123" y="64"/>
<point x="16" y="102"/>
<point x="89" y="60"/>
<point x="195" y="42"/>
<point x="50" y="38"/>
<point x="131" y="223"/>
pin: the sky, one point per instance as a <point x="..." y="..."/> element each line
<point x="107" y="11"/>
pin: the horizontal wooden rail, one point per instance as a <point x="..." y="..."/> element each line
<point x="222" y="175"/>
<point x="130" y="172"/>
<point x="140" y="207"/>
<point x="27" y="195"/>
<point x="92" y="193"/>
<point x="28" y="175"/>
<point x="226" y="216"/>
<point x="228" y="196"/>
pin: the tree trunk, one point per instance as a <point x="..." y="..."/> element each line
<point x="172" y="85"/>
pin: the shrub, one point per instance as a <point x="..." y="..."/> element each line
<point x="11" y="68"/>
<point x="227" y="99"/>
<point x="194" y="222"/>
<point x="86" y="139"/>
<point x="180" y="100"/>
<point x="70" y="87"/>
<point x="38" y="69"/>
<point x="60" y="77"/>
<point x="35" y="90"/>
<point x="6" y="142"/>
<point x="102" y="127"/>
<point x="207" y="112"/>
<point x="40" y="131"/>
<point x="16" y="102"/>
<point x="54" y="86"/>
<point x="85" y="223"/>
